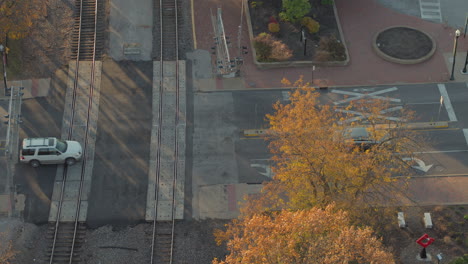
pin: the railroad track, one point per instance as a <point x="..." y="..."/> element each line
<point x="166" y="19"/>
<point x="66" y="238"/>
<point x="87" y="38"/>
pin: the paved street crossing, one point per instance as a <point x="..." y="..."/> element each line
<point x="430" y="10"/>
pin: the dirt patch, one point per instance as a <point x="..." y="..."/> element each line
<point x="290" y="33"/>
<point x="46" y="48"/>
<point x="404" y="43"/>
<point x="450" y="231"/>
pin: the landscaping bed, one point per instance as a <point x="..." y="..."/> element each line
<point x="262" y="13"/>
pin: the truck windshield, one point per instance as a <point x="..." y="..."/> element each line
<point x="61" y="146"/>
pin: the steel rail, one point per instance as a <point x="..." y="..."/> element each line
<point x="158" y="153"/>
<point x="70" y="133"/>
<point x="85" y="148"/>
<point x="160" y="115"/>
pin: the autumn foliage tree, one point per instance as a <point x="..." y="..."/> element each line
<point x="322" y="236"/>
<point x="17" y="17"/>
<point x="315" y="164"/>
<point x="7" y="253"/>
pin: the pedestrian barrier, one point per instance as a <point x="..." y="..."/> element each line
<point x="401" y="220"/>
<point x="427" y="220"/>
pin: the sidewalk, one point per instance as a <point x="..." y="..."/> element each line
<point x="360" y="21"/>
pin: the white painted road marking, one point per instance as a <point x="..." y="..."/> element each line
<point x="421" y="165"/>
<point x="430" y="10"/>
<point x="362" y="95"/>
<point x="447" y="103"/>
<point x="361" y="116"/>
<point x="465" y="133"/>
<point x="440" y="151"/>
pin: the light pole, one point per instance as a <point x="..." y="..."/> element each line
<point x="2" y="51"/>
<point x="457" y="34"/>
<point x="466" y="62"/>
<point x="313" y="69"/>
<point x="466" y="25"/>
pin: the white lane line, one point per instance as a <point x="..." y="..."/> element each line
<point x="428" y="103"/>
<point x="465" y="132"/>
<point x="441" y="151"/>
<point x="447" y="103"/>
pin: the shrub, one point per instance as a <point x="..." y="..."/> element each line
<point x="327" y="2"/>
<point x="294" y="10"/>
<point x="460" y="260"/>
<point x="330" y="49"/>
<point x="312" y="25"/>
<point x="270" y="49"/>
<point x="262" y="47"/>
<point x="273" y="27"/>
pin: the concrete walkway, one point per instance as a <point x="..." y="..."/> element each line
<point x="360" y="21"/>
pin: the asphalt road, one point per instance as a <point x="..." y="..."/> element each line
<point x="221" y="153"/>
<point x="447" y="149"/>
<point x="120" y="174"/>
<point x="42" y="117"/>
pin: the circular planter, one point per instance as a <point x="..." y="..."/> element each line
<point x="404" y="45"/>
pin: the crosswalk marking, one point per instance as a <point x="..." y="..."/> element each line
<point x="465" y="133"/>
<point x="447" y="103"/>
<point x="430" y="10"/>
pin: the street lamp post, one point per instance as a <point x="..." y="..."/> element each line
<point x="2" y="51"/>
<point x="466" y="63"/>
<point x="457" y="34"/>
<point x="466" y="25"/>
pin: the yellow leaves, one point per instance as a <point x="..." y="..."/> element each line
<point x="17" y="17"/>
<point x="314" y="163"/>
<point x="303" y="236"/>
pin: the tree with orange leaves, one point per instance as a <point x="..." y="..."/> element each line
<point x="17" y="17"/>
<point x="316" y="162"/>
<point x="7" y="254"/>
<point x="321" y="236"/>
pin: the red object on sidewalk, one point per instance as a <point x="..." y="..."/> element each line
<point x="425" y="240"/>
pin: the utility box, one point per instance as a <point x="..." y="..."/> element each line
<point x="401" y="220"/>
<point x="427" y="220"/>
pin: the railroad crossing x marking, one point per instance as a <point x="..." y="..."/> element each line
<point x="363" y="95"/>
<point x="364" y="115"/>
<point x="374" y="95"/>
